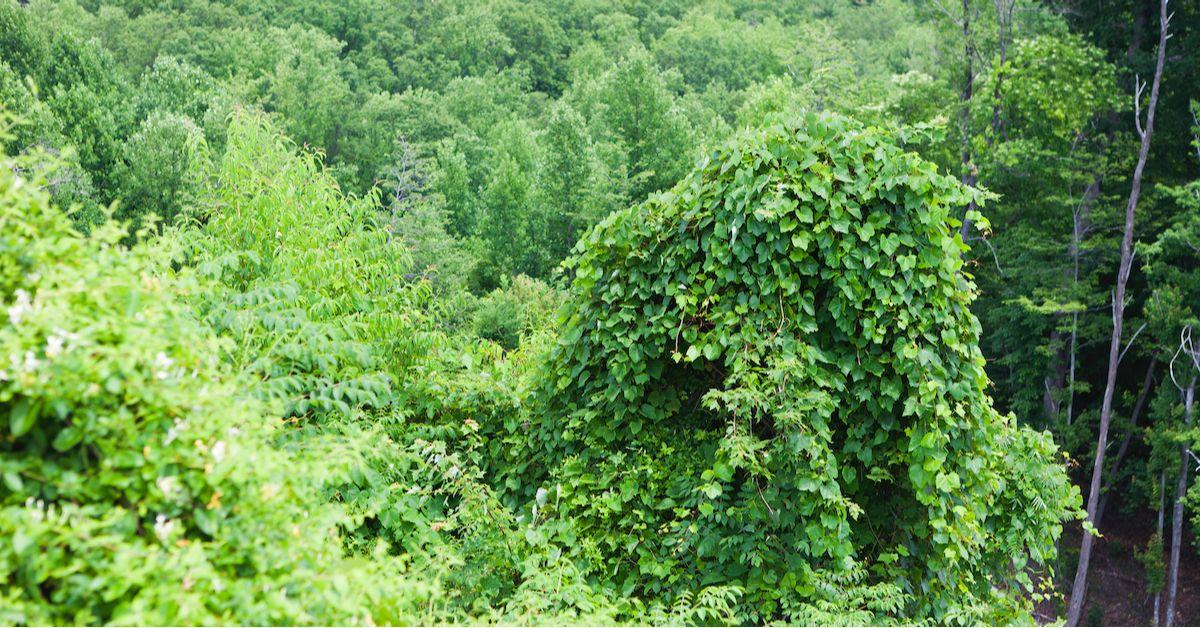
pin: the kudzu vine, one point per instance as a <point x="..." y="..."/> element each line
<point x="768" y="376"/>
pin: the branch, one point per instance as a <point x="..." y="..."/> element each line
<point x="1138" y="89"/>
<point x="1130" y="344"/>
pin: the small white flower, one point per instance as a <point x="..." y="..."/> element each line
<point x="454" y="471"/>
<point x="161" y="364"/>
<point x="59" y="341"/>
<point x="21" y="306"/>
<point x="37" y="510"/>
<point x="163" y="527"/>
<point x="167" y="484"/>
<point x="541" y="496"/>
<point x="54" y="346"/>
<point x="31" y="362"/>
<point x="218" y="451"/>
<point x="217" y="585"/>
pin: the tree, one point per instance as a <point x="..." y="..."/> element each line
<point x="1079" y="588"/>
<point x="127" y="436"/>
<point x="164" y="165"/>
<point x="175" y="86"/>
<point x="1173" y="266"/>
<point x="1040" y="268"/>
<point x="633" y="108"/>
<point x="309" y="91"/>
<point x="705" y="48"/>
<point x="507" y="222"/>
<point x="570" y="182"/>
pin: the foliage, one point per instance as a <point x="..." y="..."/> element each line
<point x="134" y="491"/>
<point x="513" y="311"/>
<point x="165" y="162"/>
<point x="1152" y="560"/>
<point x="384" y="281"/>
<point x="774" y="365"/>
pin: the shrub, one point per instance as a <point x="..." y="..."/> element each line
<point x="139" y="485"/>
<point x="514" y="310"/>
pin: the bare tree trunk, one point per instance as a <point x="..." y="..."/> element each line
<point x="1004" y="11"/>
<point x="1079" y="227"/>
<point x="1147" y="384"/>
<point x="1054" y="381"/>
<point x="969" y="175"/>
<point x="1079" y="587"/>
<point x="1189" y="397"/>
<point x="1177" y="514"/>
<point x="1162" y="501"/>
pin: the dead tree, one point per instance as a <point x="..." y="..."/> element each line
<point x="1187" y="389"/>
<point x="1079" y="587"/>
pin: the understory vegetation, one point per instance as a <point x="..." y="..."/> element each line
<point x="593" y="312"/>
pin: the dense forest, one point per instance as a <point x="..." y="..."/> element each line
<point x="599" y="312"/>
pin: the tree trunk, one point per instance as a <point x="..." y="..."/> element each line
<point x="1052" y="389"/>
<point x="1080" y="224"/>
<point x="1079" y="587"/>
<point x="969" y="174"/>
<point x="1189" y="397"/>
<point x="1162" y="501"/>
<point x="1106" y="492"/>
<point x="1065" y="357"/>
<point x="1004" y="11"/>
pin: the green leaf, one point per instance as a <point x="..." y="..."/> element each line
<point x="67" y="438"/>
<point x="22" y="417"/>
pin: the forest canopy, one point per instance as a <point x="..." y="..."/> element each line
<point x="597" y="312"/>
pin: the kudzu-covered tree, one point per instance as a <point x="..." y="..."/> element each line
<point x="769" y="377"/>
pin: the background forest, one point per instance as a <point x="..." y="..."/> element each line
<point x="599" y="311"/>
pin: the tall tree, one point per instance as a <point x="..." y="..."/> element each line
<point x="1079" y="588"/>
<point x="1189" y="355"/>
<point x="1173" y="267"/>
